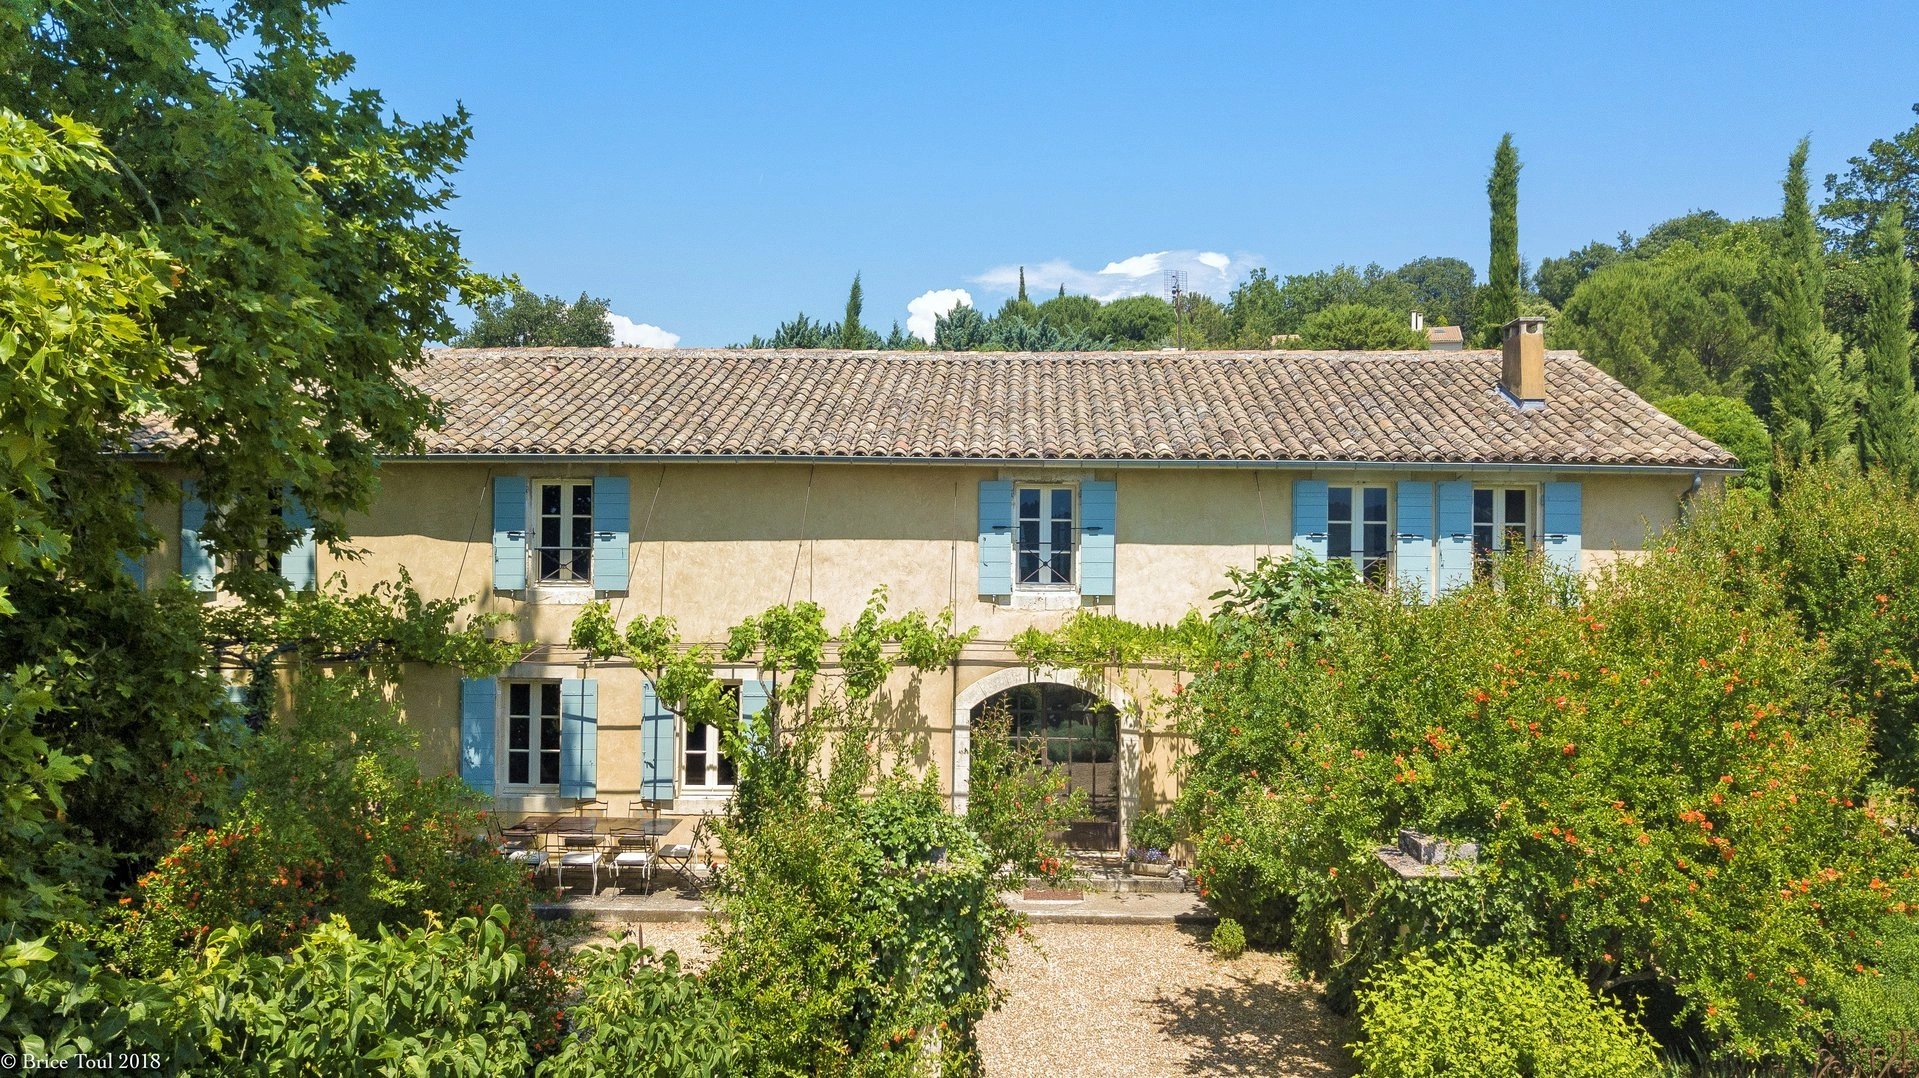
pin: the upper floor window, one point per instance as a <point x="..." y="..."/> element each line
<point x="533" y="733"/>
<point x="1359" y="531"/>
<point x="1043" y="536"/>
<point x="564" y="551"/>
<point x="1502" y="521"/>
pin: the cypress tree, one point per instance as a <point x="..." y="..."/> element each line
<point x="1062" y="287"/>
<point x="852" y="334"/>
<point x="1809" y="401"/>
<point x="1022" y="284"/>
<point x="1889" y="436"/>
<point x="1499" y="300"/>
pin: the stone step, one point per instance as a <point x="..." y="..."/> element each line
<point x="1110" y="882"/>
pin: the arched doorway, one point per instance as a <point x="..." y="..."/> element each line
<point x="1078" y="733"/>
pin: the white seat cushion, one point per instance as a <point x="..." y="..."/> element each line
<point x="585" y="858"/>
<point x="678" y="849"/>
<point x="526" y="857"/>
<point x="633" y="857"/>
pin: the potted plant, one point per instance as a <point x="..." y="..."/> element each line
<point x="1151" y="841"/>
<point x="1149" y="862"/>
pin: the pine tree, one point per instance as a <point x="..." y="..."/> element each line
<point x="1889" y="434"/>
<point x="1499" y="300"/>
<point x="1809" y="401"/>
<point x="852" y="334"/>
<point x="1022" y="285"/>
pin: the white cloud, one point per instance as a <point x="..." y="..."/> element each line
<point x="1144" y="274"/>
<point x="922" y="310"/>
<point x="630" y="334"/>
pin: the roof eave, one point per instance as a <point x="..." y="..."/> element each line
<point x="1084" y="462"/>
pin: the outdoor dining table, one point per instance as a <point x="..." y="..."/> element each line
<point x="590" y="825"/>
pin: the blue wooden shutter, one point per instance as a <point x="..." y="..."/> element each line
<point x="996" y="537"/>
<point x="1455" y="534"/>
<point x="1559" y="514"/>
<point x="196" y="560"/>
<point x="579" y="737"/>
<point x="509" y="533"/>
<point x="753" y="697"/>
<point x="1413" y="548"/>
<point x="300" y="565"/>
<point x="612" y="516"/>
<point x="1098" y="512"/>
<point x="1309" y="518"/>
<point x="479" y="717"/>
<point x="656" y="747"/>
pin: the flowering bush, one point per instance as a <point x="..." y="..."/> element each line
<point x="1667" y="791"/>
<point x="334" y="819"/>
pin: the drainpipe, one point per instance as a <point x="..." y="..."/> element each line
<point x="1692" y="491"/>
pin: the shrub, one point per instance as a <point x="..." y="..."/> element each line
<point x="1152" y="831"/>
<point x="1491" y="1014"/>
<point x="1017" y="802"/>
<point x="1229" y="940"/>
<point x="426" y="1000"/>
<point x="845" y="936"/>
<point x="334" y="819"/>
<point x="1877" y="1009"/>
<point x="639" y="1015"/>
<point x="1732" y="424"/>
<point x="1667" y="789"/>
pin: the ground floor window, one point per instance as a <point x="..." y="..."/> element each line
<point x="1502" y="521"/>
<point x="703" y="759"/>
<point x="532" y="733"/>
<point x="1078" y="733"/>
<point x="1359" y="530"/>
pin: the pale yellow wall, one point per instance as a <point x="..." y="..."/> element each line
<point x="1620" y="512"/>
<point x="715" y="542"/>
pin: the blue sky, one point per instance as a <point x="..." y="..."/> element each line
<point x="714" y="168"/>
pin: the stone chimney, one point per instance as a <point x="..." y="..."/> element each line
<point x="1523" y="362"/>
<point x="1418" y="321"/>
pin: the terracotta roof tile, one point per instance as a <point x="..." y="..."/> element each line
<point x="1385" y="407"/>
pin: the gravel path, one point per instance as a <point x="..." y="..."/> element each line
<point x="1136" y="1001"/>
<point x="1152" y="1000"/>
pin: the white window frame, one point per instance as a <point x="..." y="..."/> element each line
<point x="1046" y="550"/>
<point x="536" y="526"/>
<point x="536" y="741"/>
<point x="1500" y="524"/>
<point x="713" y="753"/>
<point x="1357" y="523"/>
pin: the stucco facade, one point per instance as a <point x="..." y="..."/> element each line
<point x="710" y="543"/>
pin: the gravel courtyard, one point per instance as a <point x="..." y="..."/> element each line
<point x="1138" y="1001"/>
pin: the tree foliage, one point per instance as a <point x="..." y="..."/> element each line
<point x="1809" y="400"/>
<point x="1889" y="424"/>
<point x="521" y="319"/>
<point x="1733" y="425"/>
<point x="1356" y="326"/>
<point x="308" y="261"/>
<point x="1499" y="300"/>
